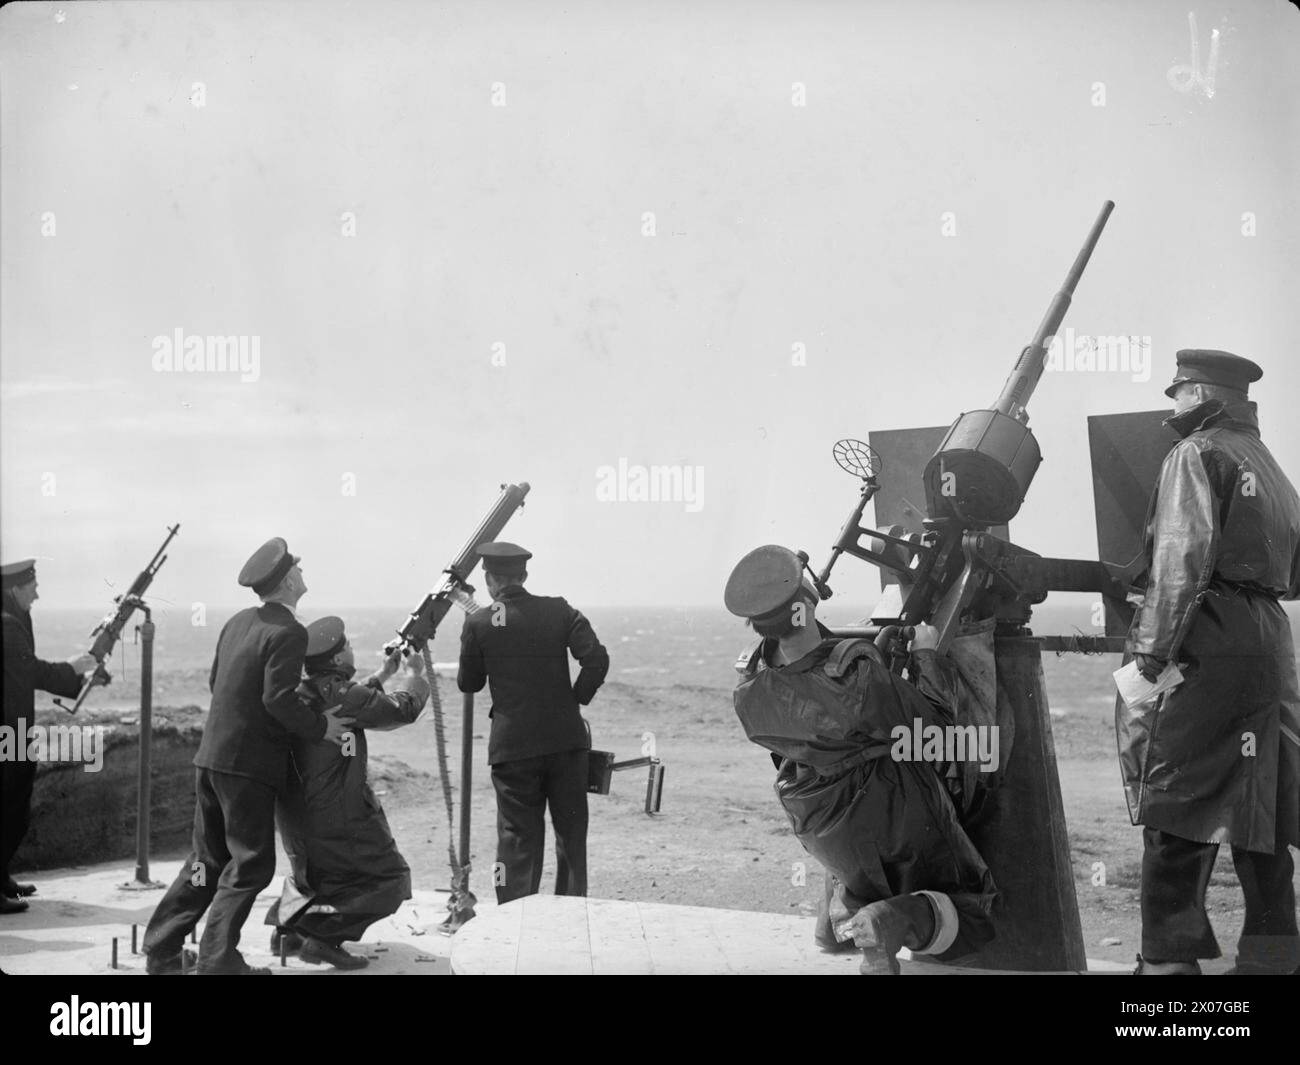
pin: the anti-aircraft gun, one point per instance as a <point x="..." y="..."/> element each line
<point x="978" y="478"/>
<point x="954" y="567"/>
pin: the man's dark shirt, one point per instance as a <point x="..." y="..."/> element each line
<point x="255" y="702"/>
<point x="524" y="657"/>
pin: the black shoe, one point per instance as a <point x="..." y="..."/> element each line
<point x="15" y="890"/>
<point x="320" y="952"/>
<point x="8" y="905"/>
<point x="292" y="942"/>
<point x="179" y="964"/>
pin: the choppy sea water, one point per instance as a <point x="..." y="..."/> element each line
<point x="655" y="647"/>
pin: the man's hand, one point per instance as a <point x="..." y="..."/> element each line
<point x="1150" y="667"/>
<point x="336" y="726"/>
<point x="391" y="662"/>
<point x="83" y="663"/>
<point x="926" y="638"/>
<point x="415" y="665"/>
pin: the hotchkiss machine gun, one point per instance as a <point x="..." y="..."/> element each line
<point x="413" y="638"/>
<point x="956" y="569"/>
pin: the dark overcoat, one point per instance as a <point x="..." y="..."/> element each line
<point x="1217" y="759"/>
<point x="342" y="854"/>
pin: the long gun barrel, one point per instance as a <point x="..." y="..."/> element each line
<point x="1020" y="385"/>
<point x="978" y="478"/>
<point x="423" y="622"/>
<point x="109" y="631"/>
<point x="983" y="468"/>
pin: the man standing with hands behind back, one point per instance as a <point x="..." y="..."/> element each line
<point x="538" y="745"/>
<point x="242" y="763"/>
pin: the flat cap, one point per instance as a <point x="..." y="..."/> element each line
<point x="503" y="558"/>
<point x="325" y="637"/>
<point x="765" y="583"/>
<point x="1209" y="367"/>
<point x="16" y="574"/>
<point x="267" y="566"/>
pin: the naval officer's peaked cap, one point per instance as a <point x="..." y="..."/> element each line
<point x="503" y="558"/>
<point x="267" y="566"/>
<point x="325" y="637"/>
<point x="765" y="583"/>
<point x="1205" y="366"/>
<point x="16" y="574"/>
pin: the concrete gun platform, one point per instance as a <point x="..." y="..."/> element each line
<point x="76" y="914"/>
<point x="548" y="934"/>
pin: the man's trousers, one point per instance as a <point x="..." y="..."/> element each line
<point x="1175" y="926"/>
<point x="233" y="859"/>
<point x="16" y="780"/>
<point x="525" y="789"/>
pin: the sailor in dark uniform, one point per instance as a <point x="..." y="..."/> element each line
<point x="346" y="871"/>
<point x="25" y="674"/>
<point x="538" y="745"/>
<point x="242" y="764"/>
<point x="903" y="872"/>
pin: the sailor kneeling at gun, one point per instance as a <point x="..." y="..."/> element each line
<point x="905" y="874"/>
<point x="346" y="872"/>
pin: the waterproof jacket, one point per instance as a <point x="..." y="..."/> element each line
<point x="1217" y="759"/>
<point x="881" y="827"/>
<point x="341" y="851"/>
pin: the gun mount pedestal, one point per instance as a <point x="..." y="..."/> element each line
<point x="144" y="782"/>
<point x="1021" y="831"/>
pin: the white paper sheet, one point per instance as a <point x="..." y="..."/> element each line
<point x="1136" y="690"/>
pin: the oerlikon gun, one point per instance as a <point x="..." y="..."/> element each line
<point x="978" y="478"/>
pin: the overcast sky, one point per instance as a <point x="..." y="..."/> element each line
<point x="433" y="220"/>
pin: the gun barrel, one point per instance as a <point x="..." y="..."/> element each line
<point x="423" y="623"/>
<point x="141" y="584"/>
<point x="1023" y="380"/>
<point x="510" y="500"/>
